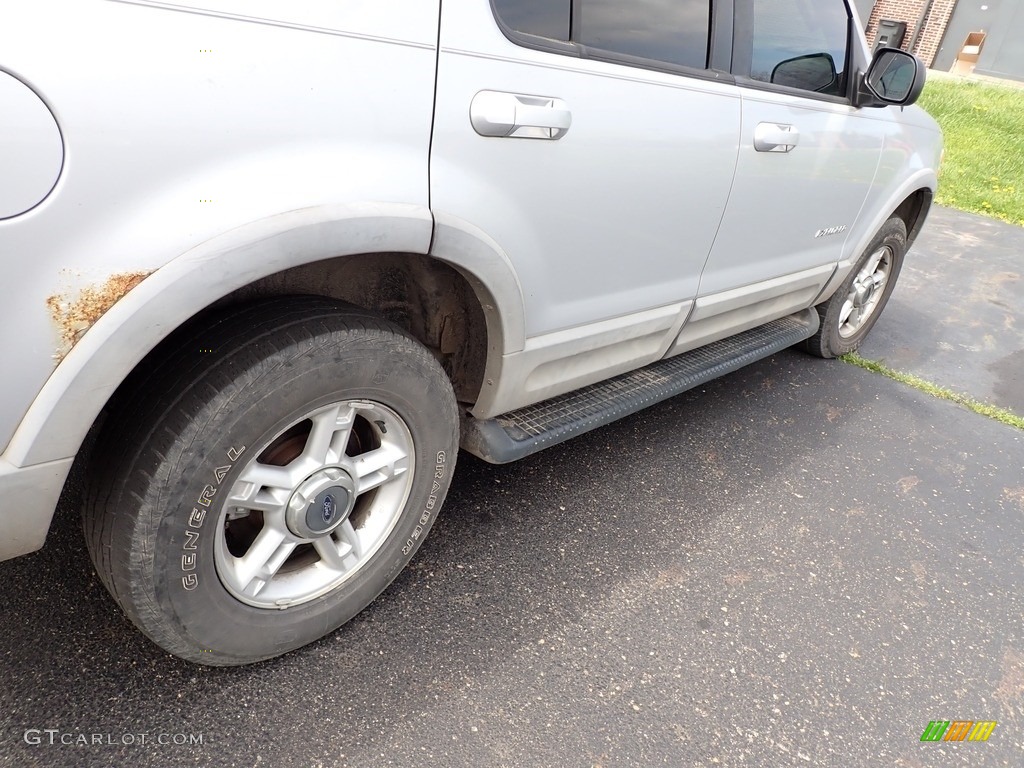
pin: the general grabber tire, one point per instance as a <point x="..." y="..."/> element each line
<point x="847" y="317"/>
<point x="261" y="485"/>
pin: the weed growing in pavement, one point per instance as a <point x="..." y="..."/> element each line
<point x="1001" y="415"/>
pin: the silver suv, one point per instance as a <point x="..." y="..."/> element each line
<point x="268" y="265"/>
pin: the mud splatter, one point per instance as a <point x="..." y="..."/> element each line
<point x="1015" y="494"/>
<point x="907" y="484"/>
<point x="1010" y="691"/>
<point x="990" y="287"/>
<point x="920" y="573"/>
<point x="74" y="314"/>
<point x="674" y="576"/>
<point x="739" y="578"/>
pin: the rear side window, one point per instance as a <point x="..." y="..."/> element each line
<point x="674" y="32"/>
<point x="799" y="43"/>
<point x="544" y="19"/>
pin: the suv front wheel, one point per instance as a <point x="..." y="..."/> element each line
<point x="847" y="317"/>
<point x="264" y="483"/>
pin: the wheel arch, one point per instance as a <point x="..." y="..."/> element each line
<point x="914" y="211"/>
<point x="388" y="246"/>
<point x="915" y="198"/>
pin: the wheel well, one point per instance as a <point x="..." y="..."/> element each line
<point x="429" y="299"/>
<point x="914" y="211"/>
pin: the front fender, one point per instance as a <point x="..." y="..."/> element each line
<point x="909" y="162"/>
<point x="65" y="408"/>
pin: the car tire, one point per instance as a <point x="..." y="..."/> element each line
<point x="848" y="316"/>
<point x="262" y="485"/>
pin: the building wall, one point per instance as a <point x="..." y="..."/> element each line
<point x="986" y="16"/>
<point x="1003" y="54"/>
<point x="927" y="42"/>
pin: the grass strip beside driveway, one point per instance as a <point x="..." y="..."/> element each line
<point x="1001" y="415"/>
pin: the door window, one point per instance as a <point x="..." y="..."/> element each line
<point x="536" y="17"/>
<point x="799" y="44"/>
<point x="673" y="33"/>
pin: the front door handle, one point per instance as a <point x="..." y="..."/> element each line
<point x="515" y="116"/>
<point x="775" y="137"/>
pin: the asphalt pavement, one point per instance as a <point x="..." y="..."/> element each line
<point x="800" y="564"/>
<point x="955" y="317"/>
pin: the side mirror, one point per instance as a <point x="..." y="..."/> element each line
<point x="813" y="72"/>
<point x="894" y="77"/>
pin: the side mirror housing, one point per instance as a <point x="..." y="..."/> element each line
<point x="895" y="77"/>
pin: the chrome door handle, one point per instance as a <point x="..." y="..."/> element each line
<point x="775" y="137"/>
<point x="516" y="116"/>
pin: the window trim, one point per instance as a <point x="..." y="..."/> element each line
<point x="721" y="36"/>
<point x="535" y="42"/>
<point x="743" y="52"/>
<point x="720" y="41"/>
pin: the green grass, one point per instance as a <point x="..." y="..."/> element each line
<point x="983" y="170"/>
<point x="991" y="411"/>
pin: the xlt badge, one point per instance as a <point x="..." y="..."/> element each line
<point x="830" y="231"/>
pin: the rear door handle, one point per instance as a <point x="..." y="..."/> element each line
<point x="515" y="116"/>
<point x="775" y="137"/>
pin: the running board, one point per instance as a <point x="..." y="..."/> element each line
<point x="519" y="433"/>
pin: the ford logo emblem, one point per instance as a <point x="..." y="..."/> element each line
<point x="330" y="507"/>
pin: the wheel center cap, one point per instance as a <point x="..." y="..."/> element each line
<point x="864" y="293"/>
<point x="321" y="503"/>
<point x="329" y="508"/>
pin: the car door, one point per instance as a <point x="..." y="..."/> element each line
<point x="591" y="142"/>
<point x="807" y="159"/>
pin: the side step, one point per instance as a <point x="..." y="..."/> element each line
<point x="519" y="433"/>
